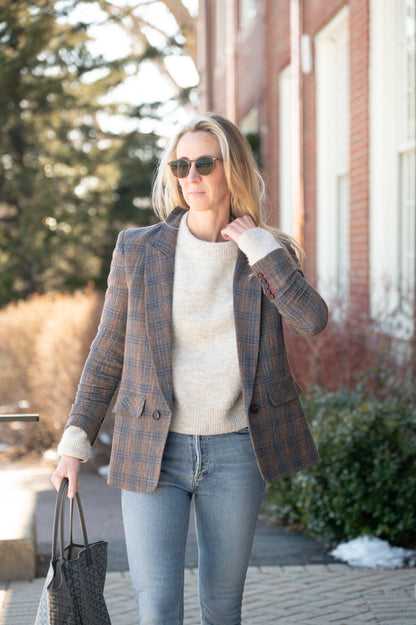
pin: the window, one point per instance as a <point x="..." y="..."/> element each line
<point x="285" y="165"/>
<point x="393" y="163"/>
<point x="406" y="72"/>
<point x="249" y="126"/>
<point x="220" y="31"/>
<point x="248" y="10"/>
<point x="333" y="210"/>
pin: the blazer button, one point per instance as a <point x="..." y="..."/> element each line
<point x="254" y="408"/>
<point x="156" y="415"/>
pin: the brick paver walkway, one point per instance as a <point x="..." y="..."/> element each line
<point x="290" y="595"/>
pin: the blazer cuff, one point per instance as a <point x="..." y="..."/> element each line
<point x="257" y="243"/>
<point x="75" y="442"/>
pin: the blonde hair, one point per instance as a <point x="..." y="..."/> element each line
<point x="243" y="177"/>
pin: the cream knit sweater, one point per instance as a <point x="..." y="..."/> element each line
<point x="206" y="377"/>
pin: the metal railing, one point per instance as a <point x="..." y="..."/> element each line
<point x="6" y="418"/>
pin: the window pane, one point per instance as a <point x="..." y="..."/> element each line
<point x="410" y="69"/>
<point x="407" y="154"/>
<point x="285" y="155"/>
<point x="407" y="225"/>
<point x="248" y="9"/>
<point x="220" y="34"/>
<point x="333" y="120"/>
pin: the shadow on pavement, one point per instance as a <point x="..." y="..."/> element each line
<point x="273" y="545"/>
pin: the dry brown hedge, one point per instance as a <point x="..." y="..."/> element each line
<point x="43" y="345"/>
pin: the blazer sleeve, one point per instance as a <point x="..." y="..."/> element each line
<point x="102" y="371"/>
<point x="300" y="305"/>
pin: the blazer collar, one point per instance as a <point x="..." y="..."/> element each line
<point x="165" y="242"/>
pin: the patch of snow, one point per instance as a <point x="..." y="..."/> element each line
<point x="373" y="552"/>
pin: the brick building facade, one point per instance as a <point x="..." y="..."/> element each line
<point x="329" y="86"/>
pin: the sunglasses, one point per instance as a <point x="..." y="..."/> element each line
<point x="204" y="165"/>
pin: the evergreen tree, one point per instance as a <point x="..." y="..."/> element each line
<point x="66" y="186"/>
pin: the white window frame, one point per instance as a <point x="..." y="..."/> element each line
<point x="286" y="223"/>
<point x="220" y="32"/>
<point x="247" y="12"/>
<point x="333" y="149"/>
<point x="393" y="172"/>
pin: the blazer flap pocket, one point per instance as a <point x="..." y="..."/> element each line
<point x="284" y="391"/>
<point x="129" y="404"/>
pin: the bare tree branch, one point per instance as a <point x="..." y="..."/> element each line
<point x="186" y="25"/>
<point x="134" y="26"/>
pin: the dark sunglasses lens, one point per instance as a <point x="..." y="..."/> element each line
<point x="180" y="168"/>
<point x="204" y="165"/>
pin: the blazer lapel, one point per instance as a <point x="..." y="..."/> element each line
<point x="247" y="294"/>
<point x="247" y="315"/>
<point x="159" y="271"/>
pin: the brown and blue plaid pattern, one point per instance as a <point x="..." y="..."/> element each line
<point x="132" y="352"/>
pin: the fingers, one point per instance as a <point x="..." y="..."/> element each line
<point x="236" y="228"/>
<point x="69" y="467"/>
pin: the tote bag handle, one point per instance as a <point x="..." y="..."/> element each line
<point x="58" y="523"/>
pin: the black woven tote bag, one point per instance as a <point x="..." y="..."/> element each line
<point x="74" y="587"/>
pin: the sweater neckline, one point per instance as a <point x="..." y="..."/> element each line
<point x="207" y="250"/>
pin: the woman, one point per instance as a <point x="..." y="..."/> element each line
<point x="207" y="408"/>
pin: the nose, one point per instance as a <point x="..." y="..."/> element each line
<point x="193" y="174"/>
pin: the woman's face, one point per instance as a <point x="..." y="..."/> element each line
<point x="203" y="193"/>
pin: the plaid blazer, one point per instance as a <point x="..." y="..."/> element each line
<point x="133" y="348"/>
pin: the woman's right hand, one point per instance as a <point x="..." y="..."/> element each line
<point x="69" y="467"/>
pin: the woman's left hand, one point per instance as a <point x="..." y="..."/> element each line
<point x="236" y="228"/>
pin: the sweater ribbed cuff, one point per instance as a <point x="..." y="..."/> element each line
<point x="75" y="442"/>
<point x="257" y="243"/>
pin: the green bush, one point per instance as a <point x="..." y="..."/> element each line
<point x="366" y="481"/>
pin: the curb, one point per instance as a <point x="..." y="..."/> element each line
<point x="18" y="536"/>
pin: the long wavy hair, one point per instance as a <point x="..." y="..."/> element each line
<point x="243" y="177"/>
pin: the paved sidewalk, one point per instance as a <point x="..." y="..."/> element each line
<point x="291" y="580"/>
<point x="273" y="546"/>
<point x="294" y="595"/>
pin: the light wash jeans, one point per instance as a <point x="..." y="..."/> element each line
<point x="221" y="473"/>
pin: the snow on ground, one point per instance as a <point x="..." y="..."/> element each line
<point x="373" y="552"/>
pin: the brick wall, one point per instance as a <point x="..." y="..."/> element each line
<point x="251" y="55"/>
<point x="277" y="56"/>
<point x="249" y="52"/>
<point x="315" y="16"/>
<point x="263" y="51"/>
<point x="359" y="157"/>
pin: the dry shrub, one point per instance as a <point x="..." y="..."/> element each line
<point x="43" y="345"/>
<point x="44" y="342"/>
<point x="20" y="323"/>
<point x="351" y="353"/>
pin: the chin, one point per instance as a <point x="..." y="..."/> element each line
<point x="198" y="207"/>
